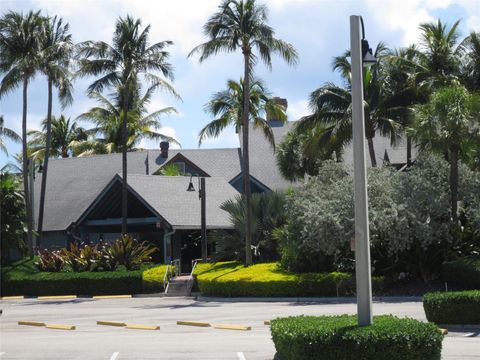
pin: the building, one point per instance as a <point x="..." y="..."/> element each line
<point x="83" y="196"/>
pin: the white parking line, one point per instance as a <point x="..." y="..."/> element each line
<point x="2" y="353"/>
<point x="114" y="355"/>
<point x="241" y="356"/>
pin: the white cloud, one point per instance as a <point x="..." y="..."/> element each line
<point x="297" y="109"/>
<point x="227" y="139"/>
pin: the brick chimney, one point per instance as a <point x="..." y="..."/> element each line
<point x="280" y="101"/>
<point x="164" y="145"/>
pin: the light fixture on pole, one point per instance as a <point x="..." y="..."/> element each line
<point x="361" y="56"/>
<point x="203" y="217"/>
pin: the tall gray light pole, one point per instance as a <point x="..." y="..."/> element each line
<point x="362" y="236"/>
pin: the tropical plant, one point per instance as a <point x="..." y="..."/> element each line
<point x="20" y="59"/>
<point x="72" y="257"/>
<point x="65" y="134"/>
<point x="6" y="133"/>
<point x="171" y="170"/>
<point x="120" y="66"/>
<point x="242" y="25"/>
<point x="131" y="253"/>
<point x="331" y="106"/>
<point x="471" y="62"/>
<point x="268" y="213"/>
<point x="106" y="136"/>
<point x="448" y="122"/>
<point x="226" y="107"/>
<point x="302" y="151"/>
<point x="49" y="261"/>
<point x="12" y="217"/>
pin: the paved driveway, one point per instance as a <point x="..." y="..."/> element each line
<point x="91" y="341"/>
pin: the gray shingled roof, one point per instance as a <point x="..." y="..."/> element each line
<point x="216" y="162"/>
<point x="263" y="163"/>
<point x="73" y="184"/>
<point x="168" y="195"/>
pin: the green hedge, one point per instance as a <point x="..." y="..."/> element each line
<point x="339" y="338"/>
<point x="81" y="283"/>
<point x="23" y="278"/>
<point x="233" y="279"/>
<point x="458" y="307"/>
<point x="463" y="273"/>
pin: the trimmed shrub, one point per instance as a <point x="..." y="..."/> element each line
<point x="234" y="279"/>
<point x="339" y="338"/>
<point x="64" y="283"/>
<point x="463" y="273"/>
<point x="153" y="278"/>
<point x="458" y="307"/>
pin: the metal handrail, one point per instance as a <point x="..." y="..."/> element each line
<point x="166" y="277"/>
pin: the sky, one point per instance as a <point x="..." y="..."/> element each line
<point x="318" y="29"/>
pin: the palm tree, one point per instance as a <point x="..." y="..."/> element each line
<point x="19" y="61"/>
<point x="331" y="105"/>
<point x="242" y="24"/>
<point x="6" y="133"/>
<point x="120" y="66"/>
<point x="108" y="119"/>
<point x="445" y="124"/>
<point x="471" y="61"/>
<point x="226" y="107"/>
<point x="56" y="55"/>
<point x="64" y="135"/>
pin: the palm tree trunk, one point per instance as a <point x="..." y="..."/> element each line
<point x="409" y="151"/>
<point x="371" y="151"/>
<point x="25" y="165"/>
<point x="245" y="157"/>
<point x="124" y="161"/>
<point x="454" y="182"/>
<point x="45" y="165"/>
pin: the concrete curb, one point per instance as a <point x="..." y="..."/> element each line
<point x="324" y="300"/>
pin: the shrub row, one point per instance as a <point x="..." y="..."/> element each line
<point x="339" y="338"/>
<point x="463" y="273"/>
<point x="65" y="283"/>
<point x="233" y="279"/>
<point x="458" y="307"/>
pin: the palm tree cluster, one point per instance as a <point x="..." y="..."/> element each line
<point x="35" y="44"/>
<point x="424" y="92"/>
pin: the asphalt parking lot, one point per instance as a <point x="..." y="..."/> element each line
<point x="91" y="341"/>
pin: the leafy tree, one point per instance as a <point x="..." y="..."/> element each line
<point x="12" y="215"/>
<point x="409" y="216"/>
<point x="242" y="25"/>
<point x="65" y="134"/>
<point x="446" y="124"/>
<point x="20" y="59"/>
<point x="106" y="136"/>
<point x="56" y="54"/>
<point x="171" y="170"/>
<point x="471" y="62"/>
<point x="268" y="214"/>
<point x="6" y="133"/>
<point x="120" y="66"/>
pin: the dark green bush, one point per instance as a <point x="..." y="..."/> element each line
<point x="339" y="338"/>
<point x="66" y="283"/>
<point x="463" y="273"/>
<point x="458" y="307"/>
